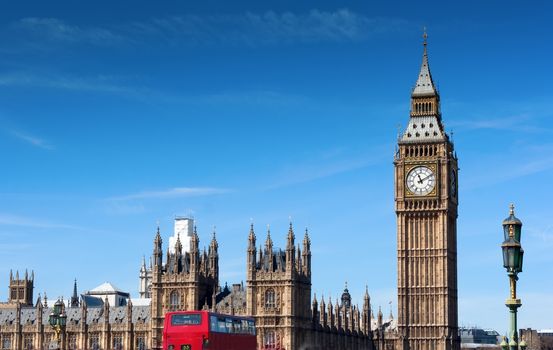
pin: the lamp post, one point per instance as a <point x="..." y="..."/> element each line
<point x="57" y="320"/>
<point x="512" y="262"/>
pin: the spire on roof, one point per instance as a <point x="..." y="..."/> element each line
<point x="269" y="241"/>
<point x="74" y="301"/>
<point x="424" y="85"/>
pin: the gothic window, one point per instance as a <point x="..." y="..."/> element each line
<point x="269" y="340"/>
<point x="6" y="342"/>
<point x="14" y="294"/>
<point x="28" y="342"/>
<point x="174" y="300"/>
<point x="140" y="341"/>
<point x="94" y="342"/>
<point x="72" y="341"/>
<point x="117" y="342"/>
<point x="270" y="301"/>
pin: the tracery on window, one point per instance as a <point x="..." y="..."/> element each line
<point x="174" y="300"/>
<point x="270" y="299"/>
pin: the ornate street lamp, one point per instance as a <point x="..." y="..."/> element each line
<point x="57" y="319"/>
<point x="512" y="261"/>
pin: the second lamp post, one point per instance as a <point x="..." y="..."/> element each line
<point x="512" y="261"/>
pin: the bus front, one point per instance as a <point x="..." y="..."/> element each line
<point x="185" y="330"/>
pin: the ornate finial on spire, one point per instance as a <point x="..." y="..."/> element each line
<point x="512" y="209"/>
<point x="424" y="35"/>
<point x="346" y="285"/>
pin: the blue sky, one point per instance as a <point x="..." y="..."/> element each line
<point x="116" y="116"/>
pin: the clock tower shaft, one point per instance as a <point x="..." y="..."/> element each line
<point x="426" y="224"/>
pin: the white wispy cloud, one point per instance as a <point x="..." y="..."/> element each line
<point x="33" y="140"/>
<point x="249" y="28"/>
<point x="56" y="30"/>
<point x="173" y="193"/>
<point x="15" y="220"/>
<point x="122" y="87"/>
<point x="97" y="84"/>
<point x="521" y="122"/>
<point x="501" y="171"/>
<point x="268" y="28"/>
<point x="329" y="163"/>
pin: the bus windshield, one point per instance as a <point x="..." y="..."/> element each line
<point x="186" y="319"/>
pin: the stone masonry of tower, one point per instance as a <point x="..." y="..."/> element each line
<point x="187" y="280"/>
<point x="426" y="207"/>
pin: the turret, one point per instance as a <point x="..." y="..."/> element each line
<point x="74" y="302"/>
<point x="194" y="252"/>
<point x="269" y="250"/>
<point x="214" y="257"/>
<point x="290" y="251"/>
<point x="39" y="310"/>
<point x="306" y="254"/>
<point x="366" y="316"/>
<point x="338" y="314"/>
<point x="322" y="314"/>
<point x="251" y="250"/>
<point x="177" y="258"/>
<point x="84" y="312"/>
<point x="129" y="313"/>
<point x="106" y="311"/>
<point x="315" y="310"/>
<point x="158" y="252"/>
<point x="331" y="318"/>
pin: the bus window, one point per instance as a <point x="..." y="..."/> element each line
<point x="186" y="319"/>
<point x="228" y="324"/>
<point x="213" y="323"/>
<point x="221" y="325"/>
<point x="236" y="326"/>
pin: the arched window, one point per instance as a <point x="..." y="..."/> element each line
<point x="270" y="298"/>
<point x="269" y="340"/>
<point x="174" y="300"/>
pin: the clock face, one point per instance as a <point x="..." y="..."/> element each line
<point x="421" y="180"/>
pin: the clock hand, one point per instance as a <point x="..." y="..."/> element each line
<point x="426" y="177"/>
<point x="419" y="176"/>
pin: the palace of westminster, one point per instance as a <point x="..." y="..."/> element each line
<point x="277" y="292"/>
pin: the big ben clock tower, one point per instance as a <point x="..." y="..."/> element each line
<point x="426" y="208"/>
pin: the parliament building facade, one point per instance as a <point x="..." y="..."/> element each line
<point x="277" y="292"/>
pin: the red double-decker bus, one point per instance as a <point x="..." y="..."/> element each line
<point x="197" y="330"/>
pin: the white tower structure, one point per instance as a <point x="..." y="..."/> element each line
<point x="184" y="228"/>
